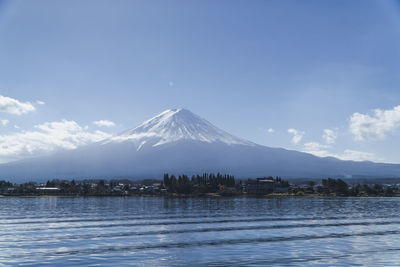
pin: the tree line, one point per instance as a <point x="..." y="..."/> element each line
<point x="341" y="188"/>
<point x="206" y="183"/>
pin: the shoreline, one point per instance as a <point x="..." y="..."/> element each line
<point x="199" y="196"/>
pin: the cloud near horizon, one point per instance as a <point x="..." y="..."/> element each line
<point x="329" y="136"/>
<point x="13" y="106"/>
<point x="4" y="122"/>
<point x="104" y="123"/>
<point x="47" y="137"/>
<point x="372" y="127"/>
<point x="297" y="135"/>
<point x="321" y="150"/>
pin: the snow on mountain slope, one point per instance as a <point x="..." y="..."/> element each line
<point x="173" y="125"/>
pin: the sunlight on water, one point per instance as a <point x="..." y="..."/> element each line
<point x="203" y="231"/>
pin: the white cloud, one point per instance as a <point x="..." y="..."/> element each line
<point x="321" y="150"/>
<point x="104" y="123"/>
<point x="46" y="137"/>
<point x="270" y="130"/>
<point x="171" y="84"/>
<point x="297" y="135"/>
<point x="40" y="102"/>
<point x="315" y="146"/>
<point x="329" y="136"/>
<point x="13" y="106"/>
<point x="355" y="155"/>
<point x="316" y="149"/>
<point x="4" y="122"/>
<point x="375" y="126"/>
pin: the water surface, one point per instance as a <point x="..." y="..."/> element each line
<point x="149" y="231"/>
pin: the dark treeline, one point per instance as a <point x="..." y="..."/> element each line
<point x="341" y="188"/>
<point x="66" y="188"/>
<point x="5" y="184"/>
<point x="206" y="183"/>
<point x="199" y="185"/>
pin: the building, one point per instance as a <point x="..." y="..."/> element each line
<point x="261" y="186"/>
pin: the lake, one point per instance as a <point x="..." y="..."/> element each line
<point x="155" y="231"/>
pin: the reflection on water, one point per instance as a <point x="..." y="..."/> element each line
<point x="200" y="231"/>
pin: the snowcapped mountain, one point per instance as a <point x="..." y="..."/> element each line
<point x="174" y="125"/>
<point x="178" y="141"/>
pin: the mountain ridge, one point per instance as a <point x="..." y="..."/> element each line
<point x="179" y="141"/>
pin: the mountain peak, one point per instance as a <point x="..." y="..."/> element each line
<point x="173" y="112"/>
<point x="174" y="125"/>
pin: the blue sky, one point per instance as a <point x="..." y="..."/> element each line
<point x="304" y="75"/>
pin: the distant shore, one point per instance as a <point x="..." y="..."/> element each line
<point x="208" y="195"/>
<point x="200" y="186"/>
